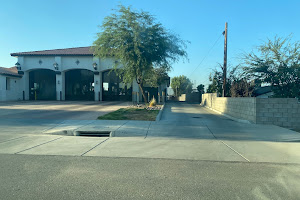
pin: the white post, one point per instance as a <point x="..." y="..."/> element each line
<point x="97" y="86"/>
<point x="97" y="80"/>
<point x="58" y="87"/>
<point x="101" y="85"/>
<point x="60" y="80"/>
<point x="25" y="85"/>
<point x="63" y="86"/>
<point x="158" y="97"/>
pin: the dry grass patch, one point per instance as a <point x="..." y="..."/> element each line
<point x="141" y="114"/>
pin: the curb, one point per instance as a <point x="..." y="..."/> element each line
<point x="158" y="117"/>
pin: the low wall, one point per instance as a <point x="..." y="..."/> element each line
<point x="283" y="112"/>
<point x="182" y="97"/>
<point x="241" y="108"/>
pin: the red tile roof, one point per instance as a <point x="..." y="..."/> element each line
<point x="78" y="51"/>
<point x="9" y="71"/>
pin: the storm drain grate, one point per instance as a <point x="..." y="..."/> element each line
<point x="94" y="133"/>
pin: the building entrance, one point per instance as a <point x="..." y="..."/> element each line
<point x="42" y="84"/>
<point x="79" y="84"/>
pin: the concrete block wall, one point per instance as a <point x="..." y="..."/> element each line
<point x="241" y="108"/>
<point x="284" y="112"/>
<point x="208" y="98"/>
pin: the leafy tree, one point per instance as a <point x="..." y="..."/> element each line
<point x="241" y="88"/>
<point x="175" y="84"/>
<point x="200" y="88"/>
<point x="158" y="76"/>
<point x="201" y="91"/>
<point x="186" y="86"/>
<point x="277" y="63"/>
<point x="216" y="79"/>
<point x="181" y="85"/>
<point x="139" y="43"/>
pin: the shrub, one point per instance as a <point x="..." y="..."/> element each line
<point x="152" y="102"/>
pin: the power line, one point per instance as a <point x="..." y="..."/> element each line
<point x="207" y="54"/>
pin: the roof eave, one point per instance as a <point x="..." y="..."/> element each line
<point x="16" y="54"/>
<point x="11" y="75"/>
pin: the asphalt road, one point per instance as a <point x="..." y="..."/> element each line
<point x="64" y="177"/>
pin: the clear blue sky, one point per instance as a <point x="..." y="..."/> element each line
<point x="39" y="25"/>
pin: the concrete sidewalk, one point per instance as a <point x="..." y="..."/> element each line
<point x="152" y="147"/>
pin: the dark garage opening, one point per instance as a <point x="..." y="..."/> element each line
<point x="79" y="85"/>
<point x="114" y="89"/>
<point x="42" y="84"/>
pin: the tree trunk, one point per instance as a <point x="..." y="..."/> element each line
<point x="145" y="99"/>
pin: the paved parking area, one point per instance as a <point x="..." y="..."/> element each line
<point x="59" y="110"/>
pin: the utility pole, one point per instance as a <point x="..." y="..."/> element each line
<point x="225" y="60"/>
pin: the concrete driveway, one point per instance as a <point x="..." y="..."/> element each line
<point x="59" y="110"/>
<point x="194" y="121"/>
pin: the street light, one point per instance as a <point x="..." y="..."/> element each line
<point x="95" y="66"/>
<point x="18" y="66"/>
<point x="55" y="65"/>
